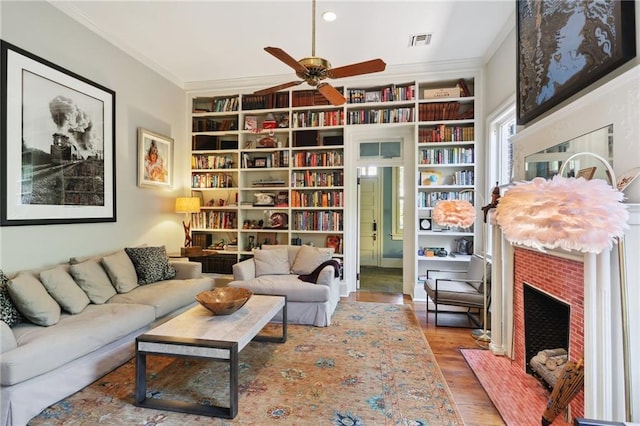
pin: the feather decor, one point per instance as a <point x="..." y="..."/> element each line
<point x="454" y="213"/>
<point x="570" y="213"/>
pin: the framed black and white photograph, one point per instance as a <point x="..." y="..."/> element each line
<point x="155" y="159"/>
<point x="564" y="46"/>
<point x="58" y="144"/>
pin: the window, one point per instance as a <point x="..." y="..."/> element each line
<point x="397" y="213"/>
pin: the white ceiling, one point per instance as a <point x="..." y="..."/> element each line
<point x="198" y="41"/>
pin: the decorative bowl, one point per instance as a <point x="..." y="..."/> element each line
<point x="224" y="300"/>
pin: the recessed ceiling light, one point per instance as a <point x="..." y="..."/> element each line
<point x="329" y="16"/>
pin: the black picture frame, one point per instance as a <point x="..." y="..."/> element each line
<point x="57" y="148"/>
<point x="593" y="50"/>
<point x="260" y="162"/>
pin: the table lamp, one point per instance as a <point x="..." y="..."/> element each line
<point x="188" y="205"/>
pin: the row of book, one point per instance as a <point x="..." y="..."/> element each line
<point x="268" y="101"/>
<point x="211" y="180"/>
<point x="268" y="159"/>
<point x="381" y="116"/>
<point x="436" y="111"/>
<point x="463" y="177"/>
<point x="308" y="178"/>
<point x="214" y="220"/>
<point x="318" y="118"/>
<point x="208" y="124"/>
<point x="225" y="104"/>
<point x="455" y="155"/>
<point x="318" y="159"/>
<point x="384" y="94"/>
<point x="430" y="199"/>
<point x="317" y="199"/>
<point x="317" y="221"/>
<point x="444" y="133"/>
<point x="302" y="98"/>
<point x="202" y="161"/>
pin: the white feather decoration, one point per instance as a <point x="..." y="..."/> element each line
<point x="570" y="213"/>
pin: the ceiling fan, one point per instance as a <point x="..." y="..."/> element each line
<point x="314" y="69"/>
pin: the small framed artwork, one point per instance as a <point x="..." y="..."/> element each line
<point x="251" y="122"/>
<point x="155" y="159"/>
<point x="260" y="162"/>
<point x="586" y="46"/>
<point x="57" y="150"/>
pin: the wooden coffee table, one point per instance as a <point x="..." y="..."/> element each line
<point x="197" y="333"/>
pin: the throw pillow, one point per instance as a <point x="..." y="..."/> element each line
<point x="151" y="264"/>
<point x="309" y="258"/>
<point x="121" y="271"/>
<point x="64" y="290"/>
<point x="9" y="313"/>
<point x="93" y="280"/>
<point x="33" y="301"/>
<point x="271" y="262"/>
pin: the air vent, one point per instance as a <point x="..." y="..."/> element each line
<point x="420" y="40"/>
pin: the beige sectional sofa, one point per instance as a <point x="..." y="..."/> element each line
<point x="80" y="320"/>
<point x="276" y="269"/>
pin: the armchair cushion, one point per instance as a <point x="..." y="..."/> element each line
<point x="309" y="258"/>
<point x="271" y="262"/>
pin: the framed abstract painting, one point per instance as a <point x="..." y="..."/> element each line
<point x="566" y="45"/>
<point x="57" y="145"/>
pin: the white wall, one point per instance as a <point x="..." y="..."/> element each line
<point x="500" y="74"/>
<point x="143" y="99"/>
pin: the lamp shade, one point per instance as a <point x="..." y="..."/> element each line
<point x="454" y="213"/>
<point x="187" y="205"/>
<point x="570" y="213"/>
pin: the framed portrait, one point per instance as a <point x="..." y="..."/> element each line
<point x="155" y="159"/>
<point x="260" y="162"/>
<point x="564" y="46"/>
<point x="57" y="151"/>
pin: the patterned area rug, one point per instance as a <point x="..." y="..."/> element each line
<point x="372" y="366"/>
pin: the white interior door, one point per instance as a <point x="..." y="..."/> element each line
<point x="369" y="220"/>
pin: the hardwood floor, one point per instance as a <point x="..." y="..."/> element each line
<point x="475" y="406"/>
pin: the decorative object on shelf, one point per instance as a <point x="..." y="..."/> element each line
<point x="587" y="173"/>
<point x="267" y="142"/>
<point x="334" y="242"/>
<point x="155" y="159"/>
<point x="264" y="199"/>
<point x="613" y="44"/>
<point x="224" y="300"/>
<point x="250" y="122"/>
<point x="459" y="213"/>
<point x="425" y="224"/>
<point x="573" y="214"/>
<point x="430" y="177"/>
<point x="278" y="220"/>
<point x="314" y="69"/>
<point x="260" y="162"/>
<point x="40" y="98"/>
<point x="188" y="205"/>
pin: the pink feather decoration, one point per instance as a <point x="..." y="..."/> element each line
<point x="570" y="213"/>
<point x="454" y="213"/>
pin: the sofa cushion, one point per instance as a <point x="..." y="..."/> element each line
<point x="32" y="300"/>
<point x="43" y="349"/>
<point x="272" y="262"/>
<point x="7" y="339"/>
<point x="64" y="289"/>
<point x="309" y="258"/>
<point x="289" y="285"/>
<point x="8" y="311"/>
<point x="93" y="280"/>
<point x="166" y="296"/>
<point x="121" y="271"/>
<point x="151" y="264"/>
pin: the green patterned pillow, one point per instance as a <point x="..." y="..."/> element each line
<point x="9" y="313"/>
<point x="151" y="264"/>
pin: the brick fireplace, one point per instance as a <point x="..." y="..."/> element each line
<point x="562" y="279"/>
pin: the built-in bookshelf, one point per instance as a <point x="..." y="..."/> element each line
<point x="445" y="168"/>
<point x="271" y="168"/>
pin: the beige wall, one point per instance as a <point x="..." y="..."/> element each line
<point x="143" y="99"/>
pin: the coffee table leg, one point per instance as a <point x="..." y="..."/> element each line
<point x="141" y="375"/>
<point x="277" y="339"/>
<point x="233" y="383"/>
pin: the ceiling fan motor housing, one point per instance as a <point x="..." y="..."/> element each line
<point x="317" y="69"/>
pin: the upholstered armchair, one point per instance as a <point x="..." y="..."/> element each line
<point x="464" y="288"/>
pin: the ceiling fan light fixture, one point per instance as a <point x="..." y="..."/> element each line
<point x="329" y="16"/>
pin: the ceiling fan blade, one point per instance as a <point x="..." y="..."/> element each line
<point x="332" y="94"/>
<point x="277" y="88"/>
<point x="286" y="58"/>
<point x="366" y="67"/>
